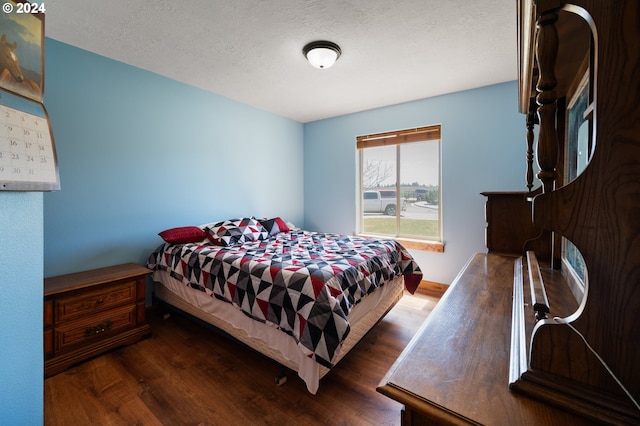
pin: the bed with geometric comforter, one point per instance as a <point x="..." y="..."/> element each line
<point x="303" y="284"/>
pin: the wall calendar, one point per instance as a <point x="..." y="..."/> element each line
<point x="27" y="151"/>
<point x="27" y="155"/>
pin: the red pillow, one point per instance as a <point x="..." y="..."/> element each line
<point x="184" y="234"/>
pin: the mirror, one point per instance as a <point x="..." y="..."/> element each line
<point x="578" y="150"/>
<point x="578" y="147"/>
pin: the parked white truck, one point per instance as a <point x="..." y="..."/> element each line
<point x="381" y="202"/>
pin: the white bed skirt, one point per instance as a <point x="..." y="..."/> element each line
<point x="267" y="339"/>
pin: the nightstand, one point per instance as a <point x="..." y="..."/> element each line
<point x="88" y="313"/>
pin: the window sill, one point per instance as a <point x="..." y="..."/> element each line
<point x="410" y="243"/>
<point x="433" y="246"/>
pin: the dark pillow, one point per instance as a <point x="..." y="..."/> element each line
<point x="183" y="234"/>
<point x="236" y="231"/>
<point x="275" y="225"/>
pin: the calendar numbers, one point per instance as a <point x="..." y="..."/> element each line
<point x="26" y="152"/>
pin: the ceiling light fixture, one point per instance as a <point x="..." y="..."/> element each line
<point x="321" y="54"/>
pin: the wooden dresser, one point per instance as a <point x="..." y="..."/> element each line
<point x="456" y="368"/>
<point x="545" y="328"/>
<point x="90" y="312"/>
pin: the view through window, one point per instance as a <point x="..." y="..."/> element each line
<point x="400" y="184"/>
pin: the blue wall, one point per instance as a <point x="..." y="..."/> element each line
<point x="483" y="149"/>
<point x="21" y="373"/>
<point x="139" y="153"/>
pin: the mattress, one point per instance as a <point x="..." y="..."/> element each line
<point x="267" y="338"/>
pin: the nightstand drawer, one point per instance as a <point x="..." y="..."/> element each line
<point x="89" y="302"/>
<point x="94" y="327"/>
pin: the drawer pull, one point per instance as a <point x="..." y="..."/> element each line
<point x="99" y="301"/>
<point x="100" y="328"/>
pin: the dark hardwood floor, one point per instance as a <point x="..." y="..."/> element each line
<point x="186" y="374"/>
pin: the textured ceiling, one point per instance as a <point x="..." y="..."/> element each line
<point x="251" y="50"/>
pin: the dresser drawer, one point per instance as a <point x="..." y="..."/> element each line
<point x="89" y="302"/>
<point x="94" y="327"/>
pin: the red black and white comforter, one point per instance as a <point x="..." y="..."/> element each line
<point x="303" y="282"/>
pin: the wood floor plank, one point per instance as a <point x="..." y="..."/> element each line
<point x="187" y="374"/>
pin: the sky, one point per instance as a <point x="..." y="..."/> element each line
<point x="419" y="162"/>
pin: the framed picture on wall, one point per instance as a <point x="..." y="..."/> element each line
<point x="22" y="49"/>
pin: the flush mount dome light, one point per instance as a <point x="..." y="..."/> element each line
<point x="321" y="54"/>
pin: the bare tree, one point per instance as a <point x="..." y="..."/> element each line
<point x="375" y="173"/>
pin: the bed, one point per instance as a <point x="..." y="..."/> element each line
<point x="302" y="298"/>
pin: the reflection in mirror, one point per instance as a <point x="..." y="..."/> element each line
<point x="582" y="157"/>
<point x="578" y="152"/>
<point x="574" y="260"/>
<point x="578" y="147"/>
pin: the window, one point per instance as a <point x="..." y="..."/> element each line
<point x="399" y="193"/>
